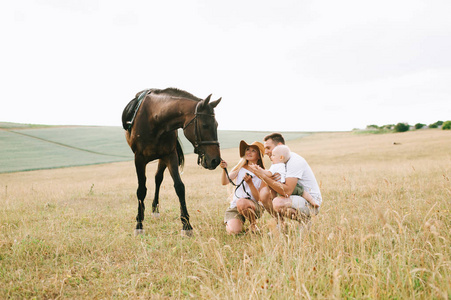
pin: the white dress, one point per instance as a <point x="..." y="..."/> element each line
<point x="240" y="192"/>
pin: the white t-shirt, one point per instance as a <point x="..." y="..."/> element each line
<point x="298" y="167"/>
<point x="279" y="168"/>
<point x="240" y="193"/>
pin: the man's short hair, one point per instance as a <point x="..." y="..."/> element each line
<point x="276" y="137"/>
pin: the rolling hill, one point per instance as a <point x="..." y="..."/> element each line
<point x="26" y="147"/>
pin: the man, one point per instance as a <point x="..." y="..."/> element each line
<point x="298" y="172"/>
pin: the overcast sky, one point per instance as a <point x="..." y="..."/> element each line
<point x="278" y="65"/>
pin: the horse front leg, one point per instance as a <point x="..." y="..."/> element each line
<point x="158" y="180"/>
<point x="140" y="165"/>
<point x="180" y="191"/>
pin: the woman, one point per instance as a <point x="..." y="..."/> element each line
<point x="246" y="203"/>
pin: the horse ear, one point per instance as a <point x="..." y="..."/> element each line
<point x="207" y="99"/>
<point x="215" y="103"/>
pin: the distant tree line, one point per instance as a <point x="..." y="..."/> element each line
<point x="402" y="127"/>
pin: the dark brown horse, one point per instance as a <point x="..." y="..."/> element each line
<point x="152" y="134"/>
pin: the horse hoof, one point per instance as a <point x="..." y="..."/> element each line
<point x="156" y="215"/>
<point x="139" y="232"/>
<point x="187" y="233"/>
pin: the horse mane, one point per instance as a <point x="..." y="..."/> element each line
<point x="176" y="93"/>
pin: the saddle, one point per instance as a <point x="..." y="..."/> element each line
<point x="129" y="113"/>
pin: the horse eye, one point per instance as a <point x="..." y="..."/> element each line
<point x="205" y="126"/>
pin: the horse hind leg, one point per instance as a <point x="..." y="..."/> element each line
<point x="141" y="192"/>
<point x="158" y="180"/>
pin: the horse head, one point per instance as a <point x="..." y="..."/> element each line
<point x="203" y="133"/>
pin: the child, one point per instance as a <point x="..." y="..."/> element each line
<point x="280" y="155"/>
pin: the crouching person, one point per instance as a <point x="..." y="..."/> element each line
<point x="246" y="204"/>
<point x="298" y="173"/>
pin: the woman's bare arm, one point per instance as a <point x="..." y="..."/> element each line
<point x="254" y="191"/>
<point x="232" y="175"/>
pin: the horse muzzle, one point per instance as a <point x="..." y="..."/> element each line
<point x="208" y="153"/>
<point x="207" y="162"/>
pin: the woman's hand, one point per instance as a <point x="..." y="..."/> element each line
<point x="224" y="179"/>
<point x="223" y="164"/>
<point x="248" y="178"/>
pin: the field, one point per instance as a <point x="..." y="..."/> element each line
<point x="383" y="231"/>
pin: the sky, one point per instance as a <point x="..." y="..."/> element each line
<point x="286" y="65"/>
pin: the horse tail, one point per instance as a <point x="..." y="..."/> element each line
<point x="180" y="153"/>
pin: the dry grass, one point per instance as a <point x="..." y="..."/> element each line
<point x="383" y="230"/>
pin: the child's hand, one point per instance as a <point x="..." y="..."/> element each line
<point x="276" y="177"/>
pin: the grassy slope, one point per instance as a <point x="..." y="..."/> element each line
<point x="26" y="147"/>
<point x="383" y="230"/>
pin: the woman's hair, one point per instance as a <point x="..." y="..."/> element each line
<point x="244" y="162"/>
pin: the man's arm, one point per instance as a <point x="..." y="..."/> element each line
<point x="284" y="189"/>
<point x="281" y="188"/>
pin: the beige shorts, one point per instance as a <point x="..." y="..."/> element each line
<point x="232" y="213"/>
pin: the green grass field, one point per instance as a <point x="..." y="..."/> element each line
<point x="33" y="147"/>
<point x="383" y="232"/>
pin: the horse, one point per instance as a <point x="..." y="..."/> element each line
<point x="151" y="121"/>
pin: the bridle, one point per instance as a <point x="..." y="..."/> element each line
<point x="197" y="141"/>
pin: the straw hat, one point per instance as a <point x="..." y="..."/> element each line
<point x="256" y="145"/>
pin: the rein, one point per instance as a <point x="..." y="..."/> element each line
<point x="237" y="186"/>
